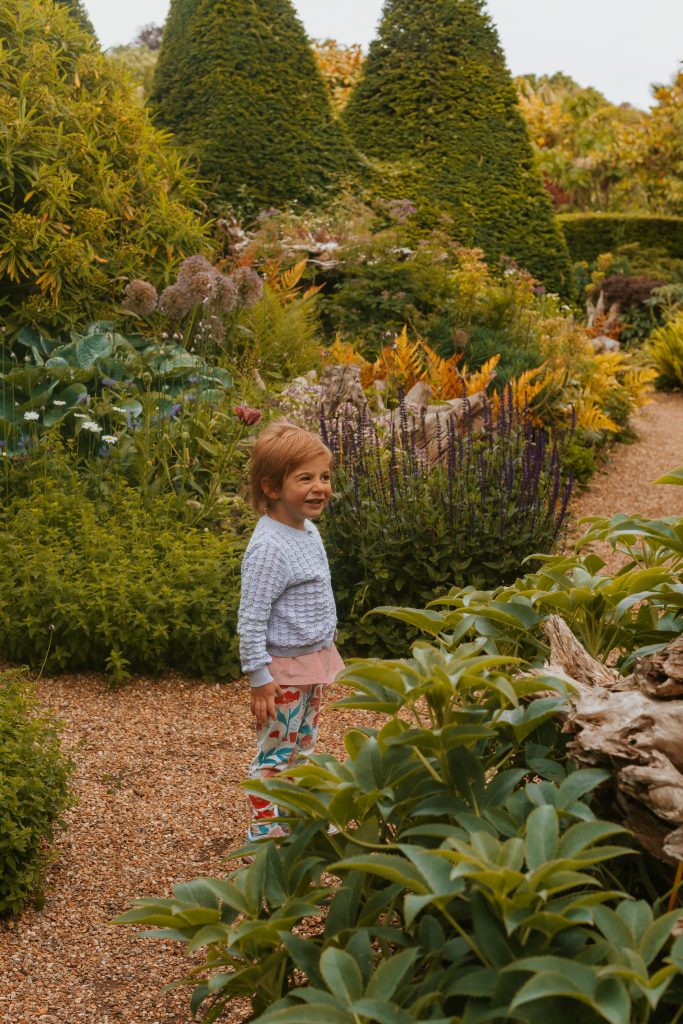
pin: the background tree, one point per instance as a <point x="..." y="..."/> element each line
<point x="91" y="194"/>
<point x="657" y="157"/>
<point x="437" y="101"/>
<point x="340" y="66"/>
<point x="582" y="142"/>
<point x="237" y="82"/>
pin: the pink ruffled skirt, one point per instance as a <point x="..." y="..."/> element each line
<point x="315" y="669"/>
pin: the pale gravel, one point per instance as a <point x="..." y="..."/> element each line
<point x="158" y="767"/>
<point x="626" y="482"/>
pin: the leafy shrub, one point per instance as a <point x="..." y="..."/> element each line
<point x="616" y="617"/>
<point x="239" y="85"/>
<point x="91" y="194"/>
<point x="665" y="348"/>
<point x="436" y="103"/>
<point x="401" y="530"/>
<point x="469" y="880"/>
<point x="34" y="790"/>
<point x="116" y="586"/>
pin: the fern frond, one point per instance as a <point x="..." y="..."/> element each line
<point x="481" y="378"/>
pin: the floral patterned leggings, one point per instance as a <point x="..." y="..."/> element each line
<point x="283" y="743"/>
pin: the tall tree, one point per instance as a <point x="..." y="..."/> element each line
<point x="437" y="101"/>
<point x="79" y="14"/>
<point x="238" y="83"/>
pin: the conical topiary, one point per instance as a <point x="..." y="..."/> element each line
<point x="238" y="83"/>
<point x="436" y="100"/>
<point x="91" y="194"/>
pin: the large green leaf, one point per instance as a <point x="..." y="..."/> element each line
<point x="673" y="477"/>
<point x="542" y="835"/>
<point x="342" y="974"/>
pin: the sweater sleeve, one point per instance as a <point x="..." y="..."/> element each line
<point x="264" y="579"/>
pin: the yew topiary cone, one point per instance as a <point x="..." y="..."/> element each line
<point x="238" y="83"/>
<point x="437" y="101"/>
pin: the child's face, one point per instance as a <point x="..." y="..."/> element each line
<point x="304" y="494"/>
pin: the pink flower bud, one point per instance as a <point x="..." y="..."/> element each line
<point x="247" y="414"/>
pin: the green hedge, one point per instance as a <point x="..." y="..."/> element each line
<point x="590" y="234"/>
<point x="237" y="82"/>
<point x="436" y="103"/>
<point x="117" y="588"/>
<point x="34" y="790"/>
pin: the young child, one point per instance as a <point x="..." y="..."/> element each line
<point x="287" y="616"/>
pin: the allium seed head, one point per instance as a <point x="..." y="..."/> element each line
<point x="249" y="286"/>
<point x="140" y="297"/>
<point x="175" y="301"/>
<point x="191" y="266"/>
<point x="202" y="286"/>
<point x="225" y="294"/>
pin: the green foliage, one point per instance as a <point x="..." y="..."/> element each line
<point x="637" y="610"/>
<point x="401" y="531"/>
<point x="456" y="889"/>
<point x="79" y="13"/>
<point x="112" y="585"/>
<point x="665" y="348"/>
<point x="139" y="62"/>
<point x="437" y="104"/>
<point x="237" y="83"/>
<point x="280" y="336"/>
<point x="91" y="194"/>
<point x="590" y="234"/>
<point x="34" y="790"/>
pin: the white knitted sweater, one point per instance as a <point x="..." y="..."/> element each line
<point x="286" y="606"/>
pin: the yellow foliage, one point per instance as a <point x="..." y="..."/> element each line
<point x="481" y="378"/>
<point x="591" y="418"/>
<point x="638" y="384"/>
<point x="406" y="362"/>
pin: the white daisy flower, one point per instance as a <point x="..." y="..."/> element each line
<point x="31" y="416"/>
<point x="90" y="425"/>
<point x="58" y="401"/>
<point x="109" y="438"/>
<point x="80" y="416"/>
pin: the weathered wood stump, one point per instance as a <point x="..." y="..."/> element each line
<point x="432" y="423"/>
<point x="633" y="726"/>
<point x="342" y="388"/>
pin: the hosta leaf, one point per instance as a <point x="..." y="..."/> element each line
<point x="673" y="477"/>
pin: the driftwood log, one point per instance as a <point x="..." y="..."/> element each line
<point x="433" y="422"/>
<point x="633" y="726"/>
<point x="342" y="388"/>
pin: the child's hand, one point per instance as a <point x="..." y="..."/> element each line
<point x="263" y="702"/>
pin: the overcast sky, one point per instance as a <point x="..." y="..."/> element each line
<point x="619" y="46"/>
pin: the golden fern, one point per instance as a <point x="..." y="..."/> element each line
<point x="481" y="378"/>
<point x="443" y="375"/>
<point x="591" y="418"/>
<point x="638" y="384"/>
<point x="401" y="361"/>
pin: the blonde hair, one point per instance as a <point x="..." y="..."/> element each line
<point x="279" y="450"/>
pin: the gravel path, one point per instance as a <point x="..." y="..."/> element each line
<point x="624" y="484"/>
<point x="157" y="770"/>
